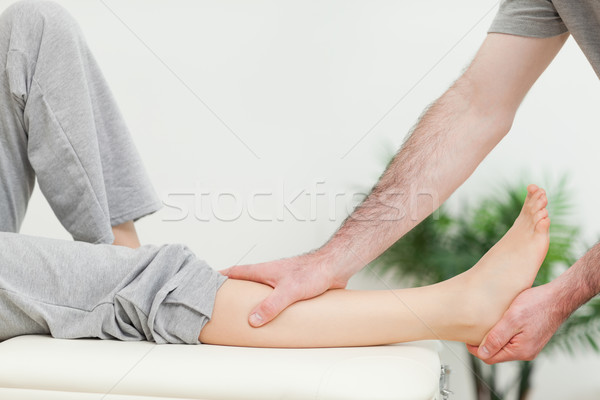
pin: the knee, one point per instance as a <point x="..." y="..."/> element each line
<point x="39" y="15"/>
<point x="36" y="8"/>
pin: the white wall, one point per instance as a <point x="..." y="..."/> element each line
<point x="300" y="83"/>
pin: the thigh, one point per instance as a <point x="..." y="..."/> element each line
<point x="74" y="290"/>
<point x="16" y="175"/>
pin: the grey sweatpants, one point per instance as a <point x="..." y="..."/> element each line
<point x="60" y="123"/>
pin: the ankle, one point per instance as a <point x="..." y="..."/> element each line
<point x="126" y="235"/>
<point x="478" y="311"/>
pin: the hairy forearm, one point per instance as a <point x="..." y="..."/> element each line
<point x="451" y="138"/>
<point x="578" y="284"/>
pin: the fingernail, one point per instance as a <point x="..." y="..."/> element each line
<point x="485" y="350"/>
<point x="256" y="319"/>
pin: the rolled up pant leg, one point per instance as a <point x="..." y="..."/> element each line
<point x="78" y="290"/>
<point x="59" y="122"/>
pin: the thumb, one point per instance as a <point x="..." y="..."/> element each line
<point x="270" y="307"/>
<point x="495" y="340"/>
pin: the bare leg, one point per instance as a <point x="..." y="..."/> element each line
<point x="463" y="308"/>
<point x="126" y="235"/>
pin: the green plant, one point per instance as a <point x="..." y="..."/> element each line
<point x="445" y="245"/>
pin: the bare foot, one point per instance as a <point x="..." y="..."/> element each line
<point x="509" y="267"/>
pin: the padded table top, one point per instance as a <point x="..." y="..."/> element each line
<point x="40" y="367"/>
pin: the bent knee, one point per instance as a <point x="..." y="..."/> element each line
<point x="33" y="8"/>
<point x="34" y="15"/>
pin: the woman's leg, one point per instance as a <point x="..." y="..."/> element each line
<point x="463" y="308"/>
<point x="78" y="290"/>
<point x="59" y="122"/>
<point x="126" y="235"/>
<point x="165" y="294"/>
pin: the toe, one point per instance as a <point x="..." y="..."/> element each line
<point x="539" y="215"/>
<point x="541" y="202"/>
<point x="536" y="201"/>
<point x="531" y="189"/>
<point x="538" y="194"/>
<point x="543" y="225"/>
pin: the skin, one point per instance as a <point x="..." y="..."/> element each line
<point x="538" y="312"/>
<point x="450" y="140"/>
<point x="126" y="235"/>
<point x="462" y="308"/>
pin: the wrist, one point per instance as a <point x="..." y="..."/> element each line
<point x="562" y="298"/>
<point x="339" y="263"/>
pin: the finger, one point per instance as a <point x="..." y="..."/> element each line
<point x="472" y="349"/>
<point x="270" y="307"/>
<point x="243" y="272"/>
<point x="496" y="339"/>
<point x="501" y="356"/>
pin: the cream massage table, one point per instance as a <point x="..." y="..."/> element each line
<point x="39" y="367"/>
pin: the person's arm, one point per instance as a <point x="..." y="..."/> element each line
<point x="450" y="140"/>
<point x="538" y="312"/>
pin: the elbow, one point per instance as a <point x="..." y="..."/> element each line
<point x="498" y="122"/>
<point x="488" y="111"/>
<point x="490" y="116"/>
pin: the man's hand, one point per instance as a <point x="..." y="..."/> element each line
<point x="294" y="279"/>
<point x="525" y="328"/>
